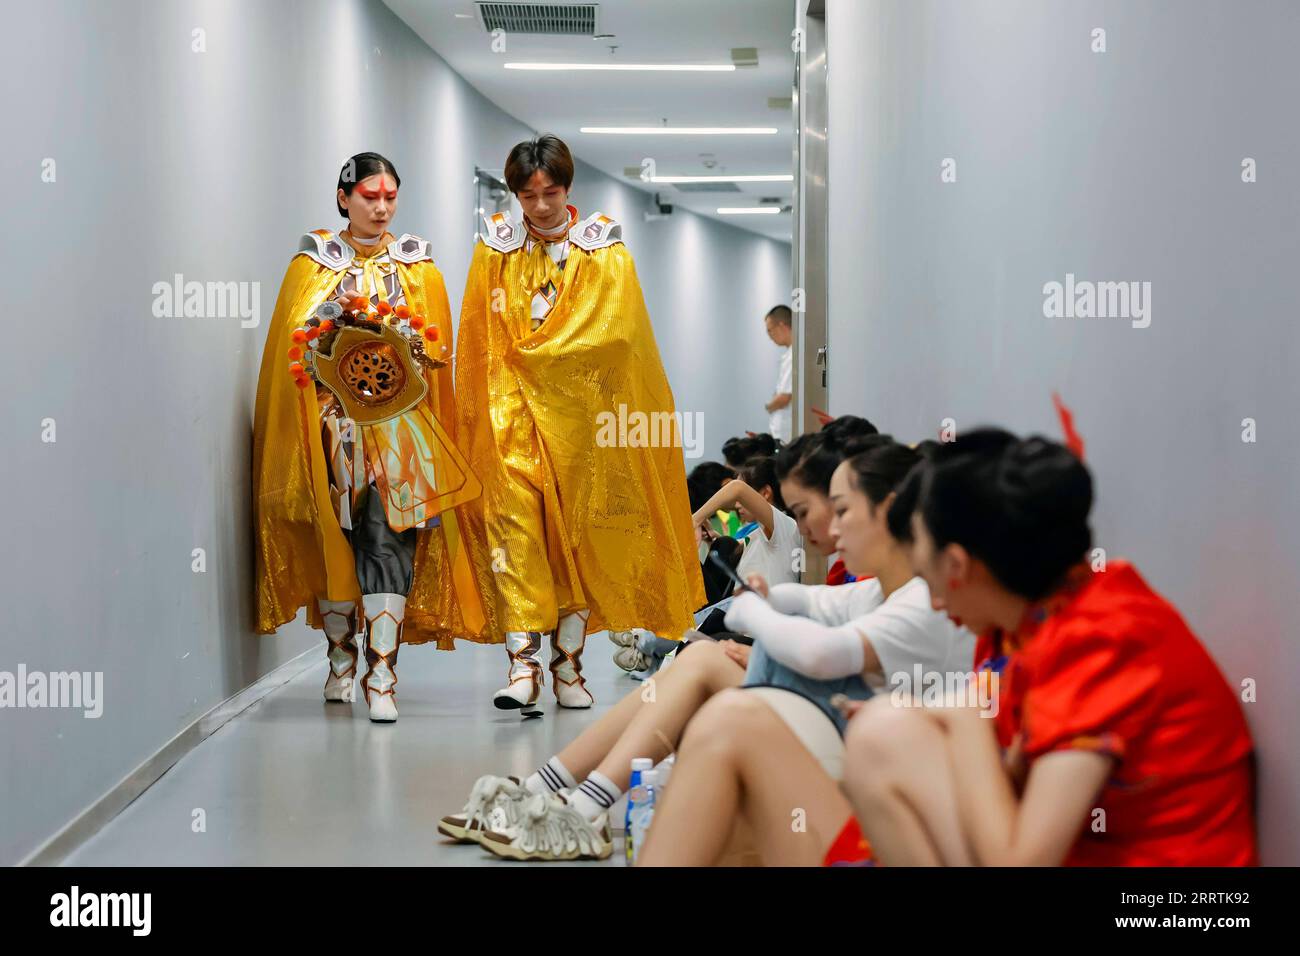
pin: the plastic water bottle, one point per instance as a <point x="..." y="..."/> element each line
<point x="639" y="766"/>
<point x="642" y="811"/>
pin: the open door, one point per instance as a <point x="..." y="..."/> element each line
<point x="809" y="240"/>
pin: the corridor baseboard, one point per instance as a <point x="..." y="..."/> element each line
<point x="89" y="822"/>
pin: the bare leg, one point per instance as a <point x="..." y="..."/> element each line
<point x="657" y="727"/>
<point x="663" y="703"/>
<point x="898" y="778"/>
<point x="740" y="766"/>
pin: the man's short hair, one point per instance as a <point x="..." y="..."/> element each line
<point x="780" y="313"/>
<point x="546" y="152"/>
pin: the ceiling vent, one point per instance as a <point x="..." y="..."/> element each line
<point x="780" y="102"/>
<point x="555" y="19"/>
<point x="707" y="187"/>
<point x="744" y="56"/>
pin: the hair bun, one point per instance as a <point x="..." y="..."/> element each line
<point x="840" y="432"/>
<point x="1042" y="481"/>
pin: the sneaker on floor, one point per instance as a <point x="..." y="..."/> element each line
<point x="630" y="659"/>
<point x="623" y="638"/>
<point x="494" y="803"/>
<point x="549" y="829"/>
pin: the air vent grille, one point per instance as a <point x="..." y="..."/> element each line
<point x="707" y="187"/>
<point x="565" y="19"/>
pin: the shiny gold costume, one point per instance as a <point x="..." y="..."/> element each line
<point x="302" y="552"/>
<point x="572" y="521"/>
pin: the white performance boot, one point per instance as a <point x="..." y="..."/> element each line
<point x="384" y="614"/>
<point x="340" y="619"/>
<point x="566" y="666"/>
<point x="525" y="674"/>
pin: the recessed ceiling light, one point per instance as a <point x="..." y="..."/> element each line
<point x="748" y="210"/>
<point x="774" y="178"/>
<point x="630" y="67"/>
<point x="680" y="130"/>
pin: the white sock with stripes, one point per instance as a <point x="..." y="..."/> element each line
<point x="595" y="796"/>
<point x="551" y="778"/>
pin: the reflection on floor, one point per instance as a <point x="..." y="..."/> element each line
<point x="296" y="781"/>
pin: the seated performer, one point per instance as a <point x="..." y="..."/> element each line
<point x="1115" y="740"/>
<point x="567" y="418"/>
<point x="360" y="489"/>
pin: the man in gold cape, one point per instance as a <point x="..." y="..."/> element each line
<point x="567" y="418"/>
<point x="303" y="555"/>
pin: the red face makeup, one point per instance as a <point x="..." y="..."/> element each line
<point x="381" y="185"/>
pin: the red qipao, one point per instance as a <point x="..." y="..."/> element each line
<point x="1106" y="664"/>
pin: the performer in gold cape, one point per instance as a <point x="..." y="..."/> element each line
<point x="365" y="507"/>
<point x="567" y="418"/>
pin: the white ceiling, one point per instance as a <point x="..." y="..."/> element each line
<point x="645" y="31"/>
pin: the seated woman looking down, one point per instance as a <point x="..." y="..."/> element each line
<point x="751" y="756"/>
<point x="1112" y="739"/>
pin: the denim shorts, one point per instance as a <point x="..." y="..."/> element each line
<point x="765" y="672"/>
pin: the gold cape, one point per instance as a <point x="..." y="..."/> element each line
<point x="573" y="522"/>
<point x="302" y="552"/>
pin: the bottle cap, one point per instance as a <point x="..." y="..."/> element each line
<point x="641" y="763"/>
<point x="649" y="778"/>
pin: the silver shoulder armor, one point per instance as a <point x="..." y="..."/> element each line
<point x="501" y="233"/>
<point x="596" y="232"/>
<point x="326" y="248"/>
<point x="410" y="249"/>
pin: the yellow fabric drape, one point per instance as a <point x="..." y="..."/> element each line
<point x="571" y="521"/>
<point x="301" y="552"/>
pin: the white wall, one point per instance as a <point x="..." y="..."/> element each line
<point x="1123" y="165"/>
<point x="211" y="165"/>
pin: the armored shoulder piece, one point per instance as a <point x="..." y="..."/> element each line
<point x="409" y="249"/>
<point x="326" y="248"/>
<point x="501" y="233"/>
<point x="596" y="232"/>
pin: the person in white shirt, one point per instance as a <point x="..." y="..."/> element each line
<point x="781" y="331"/>
<point x="774" y="548"/>
<point x="752" y="755"/>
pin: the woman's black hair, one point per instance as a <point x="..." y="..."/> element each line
<point x="704" y="481"/>
<point x="759" y="473"/>
<point x="812" y="458"/>
<point x="360" y="167"/>
<point x="908" y="493"/>
<point x="740" y="449"/>
<point x="1019" y="505"/>
<point x="880" y="467"/>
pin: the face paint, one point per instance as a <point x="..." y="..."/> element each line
<point x="387" y="188"/>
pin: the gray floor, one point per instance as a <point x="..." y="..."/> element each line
<point x="296" y="781"/>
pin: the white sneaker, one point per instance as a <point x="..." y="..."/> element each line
<point x="623" y="638"/>
<point x="494" y="803"/>
<point x="549" y="829"/>
<point x="631" y="659"/>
